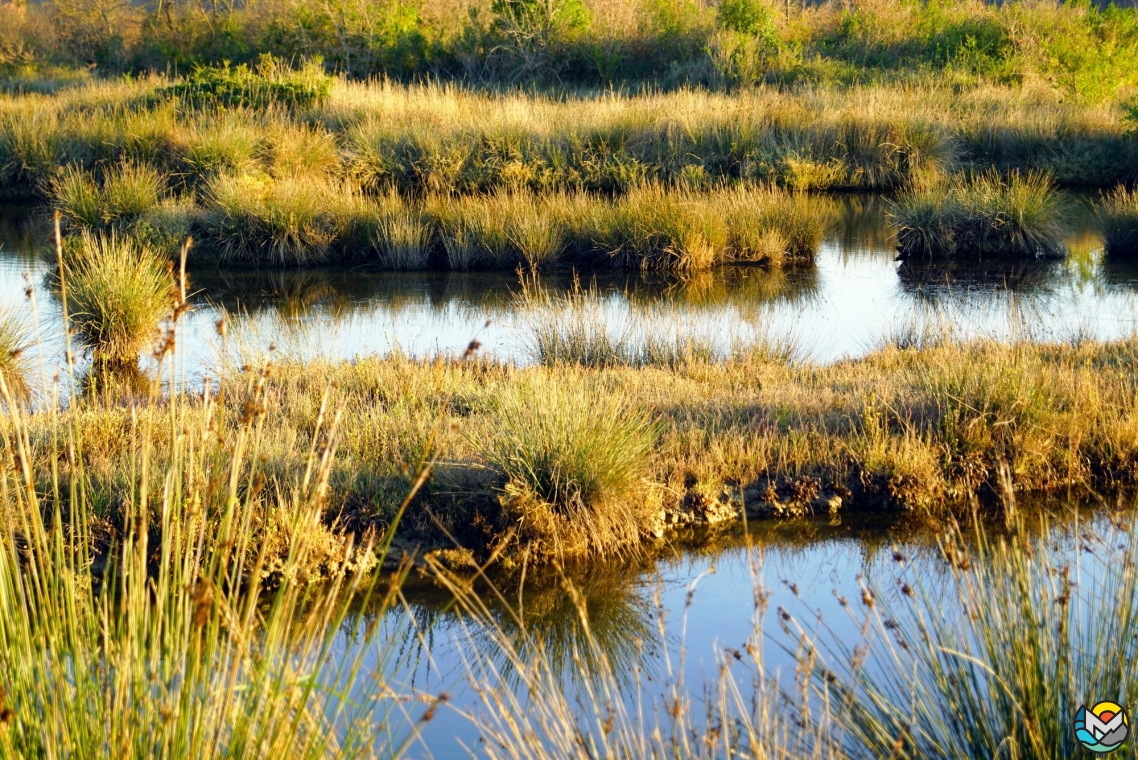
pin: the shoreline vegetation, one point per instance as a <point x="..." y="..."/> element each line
<point x="434" y="176"/>
<point x="502" y="138"/>
<point x="598" y="450"/>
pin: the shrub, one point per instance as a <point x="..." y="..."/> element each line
<point x="117" y="294"/>
<point x="1118" y="215"/>
<point x="267" y="84"/>
<point x="982" y="214"/>
<point x="571" y="460"/>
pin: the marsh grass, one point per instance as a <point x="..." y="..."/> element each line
<point x="985" y="214"/>
<point x="1118" y="215"/>
<point x="402" y="237"/>
<point x="126" y="192"/>
<point x="986" y="648"/>
<point x="588" y="328"/>
<point x="16" y="339"/>
<point x="998" y="654"/>
<point x="151" y="627"/>
<point x="572" y="463"/>
<point x="289" y="221"/>
<point x="575" y="328"/>
<point x="653" y="228"/>
<point x="446" y="140"/>
<point x="119" y="292"/>
<point x="544" y="697"/>
<point x="225" y="143"/>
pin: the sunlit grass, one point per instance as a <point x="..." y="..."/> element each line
<point x="982" y="215"/>
<point x="1118" y="214"/>
<point x="572" y="461"/>
<point x="118" y="292"/>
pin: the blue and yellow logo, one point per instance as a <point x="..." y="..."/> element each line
<point x="1103" y="727"/>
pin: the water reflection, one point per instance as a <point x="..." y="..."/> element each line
<point x="667" y="618"/>
<point x="554" y="615"/>
<point x="941" y="280"/>
<point x="852" y="299"/>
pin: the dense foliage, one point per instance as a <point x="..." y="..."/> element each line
<point x="1081" y="49"/>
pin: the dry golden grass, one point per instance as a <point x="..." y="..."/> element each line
<point x="908" y="429"/>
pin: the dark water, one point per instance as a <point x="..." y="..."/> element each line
<point x="854" y="298"/>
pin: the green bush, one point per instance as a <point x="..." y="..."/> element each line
<point x="267" y="84"/>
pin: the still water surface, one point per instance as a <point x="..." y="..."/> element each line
<point x="851" y="300"/>
<point x="855" y="297"/>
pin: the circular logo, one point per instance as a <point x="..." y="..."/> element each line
<point x="1103" y="727"/>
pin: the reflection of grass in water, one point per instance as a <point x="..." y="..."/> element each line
<point x="580" y="619"/>
<point x="974" y="643"/>
<point x="860" y="224"/>
<point x="999" y="656"/>
<point x="933" y="280"/>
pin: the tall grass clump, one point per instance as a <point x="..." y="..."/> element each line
<point x="15" y="342"/>
<point x="773" y="226"/>
<point x="586" y="328"/>
<point x="504" y="230"/>
<point x="983" y="214"/>
<point x="222" y="143"/>
<point x="1118" y="215"/>
<point x="653" y="228"/>
<point x="117" y="291"/>
<point x="996" y="656"/>
<point x="289" y="221"/>
<point x="572" y="329"/>
<point x="127" y="191"/>
<point x="572" y="461"/>
<point x="402" y="236"/>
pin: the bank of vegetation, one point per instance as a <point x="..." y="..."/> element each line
<point x="609" y="440"/>
<point x="982" y="215"/>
